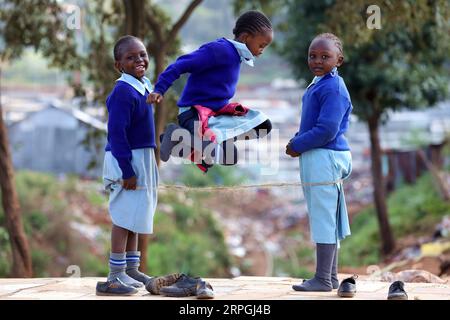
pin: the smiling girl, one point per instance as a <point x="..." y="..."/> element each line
<point x="130" y="173"/>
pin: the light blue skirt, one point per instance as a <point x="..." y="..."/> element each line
<point x="327" y="211"/>
<point x="227" y="127"/>
<point x="133" y="209"/>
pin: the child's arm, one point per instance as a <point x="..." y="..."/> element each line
<point x="130" y="183"/>
<point x="291" y="152"/>
<point x="333" y="108"/>
<point x="155" y="97"/>
<point x="196" y="61"/>
<point x="119" y="119"/>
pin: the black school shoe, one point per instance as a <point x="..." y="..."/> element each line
<point x="397" y="291"/>
<point x="347" y="288"/>
<point x="114" y="288"/>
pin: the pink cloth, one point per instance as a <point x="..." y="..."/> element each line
<point x="232" y="109"/>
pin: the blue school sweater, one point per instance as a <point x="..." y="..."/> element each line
<point x="130" y="125"/>
<point x="214" y="73"/>
<point x="326" y="107"/>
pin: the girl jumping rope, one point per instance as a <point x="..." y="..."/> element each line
<point x="204" y="107"/>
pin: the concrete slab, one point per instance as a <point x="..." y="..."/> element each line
<point x="240" y="288"/>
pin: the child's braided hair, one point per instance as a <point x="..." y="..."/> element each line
<point x="333" y="38"/>
<point x="252" y="22"/>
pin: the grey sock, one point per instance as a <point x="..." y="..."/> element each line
<point x="322" y="279"/>
<point x="133" y="262"/>
<point x="334" y="278"/>
<point x="117" y="266"/>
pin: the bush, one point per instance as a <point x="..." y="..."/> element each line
<point x="413" y="209"/>
<point x="217" y="175"/>
<point x="5" y="253"/>
<point x="187" y="240"/>
<point x="187" y="237"/>
<point x="41" y="262"/>
<point x="297" y="263"/>
<point x="46" y="216"/>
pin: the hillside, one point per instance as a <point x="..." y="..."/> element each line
<point x="220" y="235"/>
<point x="67" y="223"/>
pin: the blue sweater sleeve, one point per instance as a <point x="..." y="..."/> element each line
<point x="120" y="107"/>
<point x="196" y="61"/>
<point x="332" y="111"/>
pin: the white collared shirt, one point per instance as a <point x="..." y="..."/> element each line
<point x="317" y="78"/>
<point x="135" y="83"/>
<point x="246" y="56"/>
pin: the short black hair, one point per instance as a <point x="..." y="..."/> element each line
<point x="121" y="44"/>
<point x="252" y="22"/>
<point x="332" y="37"/>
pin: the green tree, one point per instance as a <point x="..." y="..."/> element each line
<point x="111" y="19"/>
<point x="22" y="24"/>
<point x="402" y="65"/>
<point x="19" y="244"/>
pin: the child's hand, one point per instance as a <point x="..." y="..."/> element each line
<point x="291" y="152"/>
<point x="155" y="97"/>
<point x="130" y="183"/>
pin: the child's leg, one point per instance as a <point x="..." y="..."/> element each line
<point x="257" y="132"/>
<point x="182" y="139"/>
<point x="119" y="238"/>
<point x="325" y="215"/>
<point x="322" y="279"/>
<point x="334" y="278"/>
<point x="228" y="154"/>
<point x="133" y="259"/>
<point x="167" y="141"/>
<point x="263" y="129"/>
<point x="193" y="147"/>
<point x="117" y="261"/>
